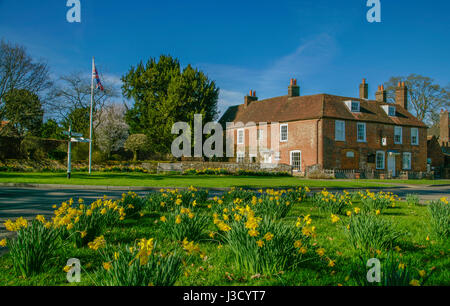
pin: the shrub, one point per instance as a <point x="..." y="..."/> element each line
<point x="139" y="265"/>
<point x="34" y="246"/>
<point x="333" y="203"/>
<point x="440" y="218"/>
<point x="370" y="233"/>
<point x="412" y="199"/>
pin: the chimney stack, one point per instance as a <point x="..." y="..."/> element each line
<point x="380" y="95"/>
<point x="294" y="89"/>
<point x="250" y="98"/>
<point x="401" y="95"/>
<point x="364" y="90"/>
<point x="445" y="129"/>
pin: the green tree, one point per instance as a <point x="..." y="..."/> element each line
<point x="79" y="117"/>
<point x="51" y="130"/>
<point x="163" y="94"/>
<point x="137" y="143"/>
<point x="23" y="110"/>
<point x="425" y="97"/>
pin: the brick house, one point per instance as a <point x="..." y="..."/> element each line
<point x="439" y="147"/>
<point x="329" y="132"/>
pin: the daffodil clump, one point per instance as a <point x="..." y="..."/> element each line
<point x="132" y="203"/>
<point x="263" y="245"/>
<point x="139" y="264"/>
<point x="271" y="203"/>
<point x="376" y="202"/>
<point x="183" y="223"/>
<point x="395" y="270"/>
<point x="371" y="233"/>
<point x="171" y="199"/>
<point x="34" y="245"/>
<point x="440" y="218"/>
<point x="81" y="223"/>
<point x="336" y="203"/>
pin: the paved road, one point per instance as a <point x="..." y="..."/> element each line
<point x="29" y="202"/>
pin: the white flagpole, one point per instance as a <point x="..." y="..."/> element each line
<point x="90" y="123"/>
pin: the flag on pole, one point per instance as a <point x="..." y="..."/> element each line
<point x="97" y="79"/>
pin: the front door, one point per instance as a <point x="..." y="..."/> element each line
<point x="296" y="160"/>
<point x="391" y="164"/>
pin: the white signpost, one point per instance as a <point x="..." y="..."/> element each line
<point x="73" y="137"/>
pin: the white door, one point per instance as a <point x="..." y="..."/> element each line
<point x="391" y="164"/>
<point x="267" y="158"/>
<point x="296" y="160"/>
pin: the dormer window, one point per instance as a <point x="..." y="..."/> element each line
<point x="353" y="106"/>
<point x="390" y="110"/>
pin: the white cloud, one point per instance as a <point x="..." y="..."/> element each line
<point x="307" y="59"/>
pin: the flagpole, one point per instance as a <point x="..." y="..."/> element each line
<point x="90" y="123"/>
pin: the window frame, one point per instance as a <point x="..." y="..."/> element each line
<point x="398" y="128"/>
<point x="410" y="160"/>
<point x="240" y="155"/>
<point x="243" y="136"/>
<point x="277" y="155"/>
<point x="342" y="135"/>
<point x="384" y="160"/>
<point x="358" y="108"/>
<point x="390" y="107"/>
<point x="357" y="131"/>
<point x="260" y="135"/>
<point x="281" y="132"/>
<point x="416" y="135"/>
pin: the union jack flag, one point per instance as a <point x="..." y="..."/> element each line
<point x="97" y="79"/>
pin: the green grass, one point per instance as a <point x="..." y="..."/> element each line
<point x="218" y="269"/>
<point x="153" y="180"/>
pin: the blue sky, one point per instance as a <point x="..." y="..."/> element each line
<point x="327" y="45"/>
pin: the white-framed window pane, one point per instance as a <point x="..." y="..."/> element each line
<point x="277" y="155"/>
<point x="355" y="106"/>
<point x="260" y="135"/>
<point x="407" y="161"/>
<point x="398" y="135"/>
<point x="361" y="132"/>
<point x="392" y="111"/>
<point x="296" y="160"/>
<point x="380" y="160"/>
<point x="240" y="137"/>
<point x="284" y="132"/>
<point x="339" y="130"/>
<point x="240" y="157"/>
<point x="414" y="136"/>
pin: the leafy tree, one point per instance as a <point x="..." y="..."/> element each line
<point x="51" y="130"/>
<point x="19" y="71"/>
<point x="79" y="118"/>
<point x="425" y="97"/>
<point x="137" y="143"/>
<point x="23" y="110"/>
<point x="112" y="131"/>
<point x="163" y="94"/>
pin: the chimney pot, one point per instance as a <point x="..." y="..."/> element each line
<point x="294" y="89"/>
<point x="364" y="90"/>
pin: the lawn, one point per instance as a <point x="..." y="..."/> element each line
<point x="418" y="249"/>
<point x="153" y="180"/>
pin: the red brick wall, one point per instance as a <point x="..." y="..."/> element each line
<point x="316" y="140"/>
<point x="334" y="157"/>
